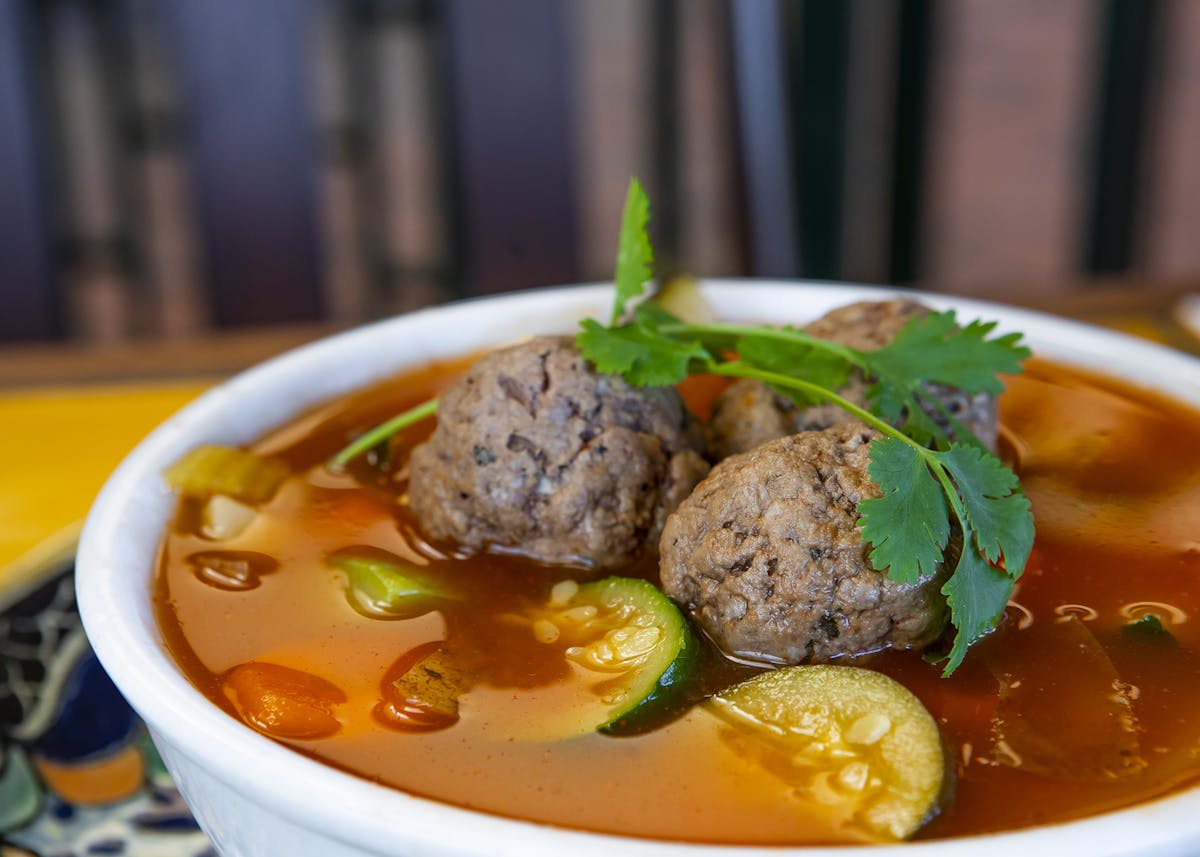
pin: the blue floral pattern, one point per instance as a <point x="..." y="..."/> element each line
<point x="78" y="775"/>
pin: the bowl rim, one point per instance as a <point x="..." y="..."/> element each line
<point x="129" y="514"/>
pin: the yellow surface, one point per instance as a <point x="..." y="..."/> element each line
<point x="59" y="446"/>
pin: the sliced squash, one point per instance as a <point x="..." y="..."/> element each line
<point x="851" y="740"/>
<point x="628" y="636"/>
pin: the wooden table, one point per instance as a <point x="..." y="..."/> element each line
<point x="1142" y="311"/>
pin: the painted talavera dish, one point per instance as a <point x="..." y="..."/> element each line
<point x="78" y="773"/>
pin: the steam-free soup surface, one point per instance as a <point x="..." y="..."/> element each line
<point x="1069" y="709"/>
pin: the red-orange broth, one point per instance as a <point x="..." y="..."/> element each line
<point x="1114" y="478"/>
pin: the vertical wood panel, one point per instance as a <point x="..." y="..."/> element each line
<point x="870" y="130"/>
<point x="765" y="137"/>
<point x="1168" y="246"/>
<point x="93" y="191"/>
<point x="409" y="164"/>
<point x="663" y="22"/>
<point x="819" y="66"/>
<point x="1013" y="94"/>
<point x="709" y="218"/>
<point x="251" y="138"/>
<point x="163" y="226"/>
<point x="918" y="32"/>
<point x="1128" y="61"/>
<point x="613" y="120"/>
<point x="28" y="304"/>
<point x="344" y="132"/>
<point x="510" y="141"/>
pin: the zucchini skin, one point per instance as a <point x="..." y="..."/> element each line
<point x="668" y="692"/>
<point x="646" y="712"/>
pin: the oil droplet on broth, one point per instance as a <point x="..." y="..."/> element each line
<point x="230" y="570"/>
<point x="1168" y="614"/>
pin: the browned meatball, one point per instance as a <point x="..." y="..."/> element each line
<point x="866" y="325"/>
<point x="749" y="412"/>
<point x="767" y="555"/>
<point x="537" y="453"/>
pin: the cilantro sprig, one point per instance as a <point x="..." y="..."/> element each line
<point x="935" y="476"/>
<point x="635" y="254"/>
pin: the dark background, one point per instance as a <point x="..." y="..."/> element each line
<point x="171" y="165"/>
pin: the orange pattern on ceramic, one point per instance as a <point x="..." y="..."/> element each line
<point x="106" y="780"/>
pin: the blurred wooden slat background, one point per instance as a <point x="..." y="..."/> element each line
<point x="1001" y="149"/>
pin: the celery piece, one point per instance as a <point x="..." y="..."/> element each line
<point x="380" y="585"/>
<point x="236" y="473"/>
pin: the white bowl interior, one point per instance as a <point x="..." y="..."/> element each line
<point x="209" y="751"/>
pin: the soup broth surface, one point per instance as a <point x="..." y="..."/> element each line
<point x="1065" y="711"/>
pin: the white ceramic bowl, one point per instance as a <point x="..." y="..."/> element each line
<point x="256" y="798"/>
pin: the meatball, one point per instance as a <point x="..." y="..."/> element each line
<point x="749" y="412"/>
<point x="767" y="556"/>
<point x="866" y="325"/>
<point x="537" y="453"/>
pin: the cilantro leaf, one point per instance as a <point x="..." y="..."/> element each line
<point x="638" y="353"/>
<point x="652" y="314"/>
<point x="933" y="348"/>
<point x="920" y="426"/>
<point x="1148" y="629"/>
<point x="908" y="526"/>
<point x="889" y="397"/>
<point x="635" y="256"/>
<point x="977" y="595"/>
<point x="796" y="359"/>
<point x="997" y="510"/>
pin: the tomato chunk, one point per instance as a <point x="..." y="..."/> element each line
<point x="284" y="702"/>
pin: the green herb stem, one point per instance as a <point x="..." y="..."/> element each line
<point x="907" y="527"/>
<point x="923" y="489"/>
<point x="382" y="432"/>
<point x="736" y="369"/>
<point x="799" y="337"/>
<point x="943" y="477"/>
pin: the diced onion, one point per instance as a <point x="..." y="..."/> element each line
<point x="225" y="518"/>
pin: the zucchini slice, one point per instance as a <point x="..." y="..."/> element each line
<point x="630" y="635"/>
<point x="851" y="740"/>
